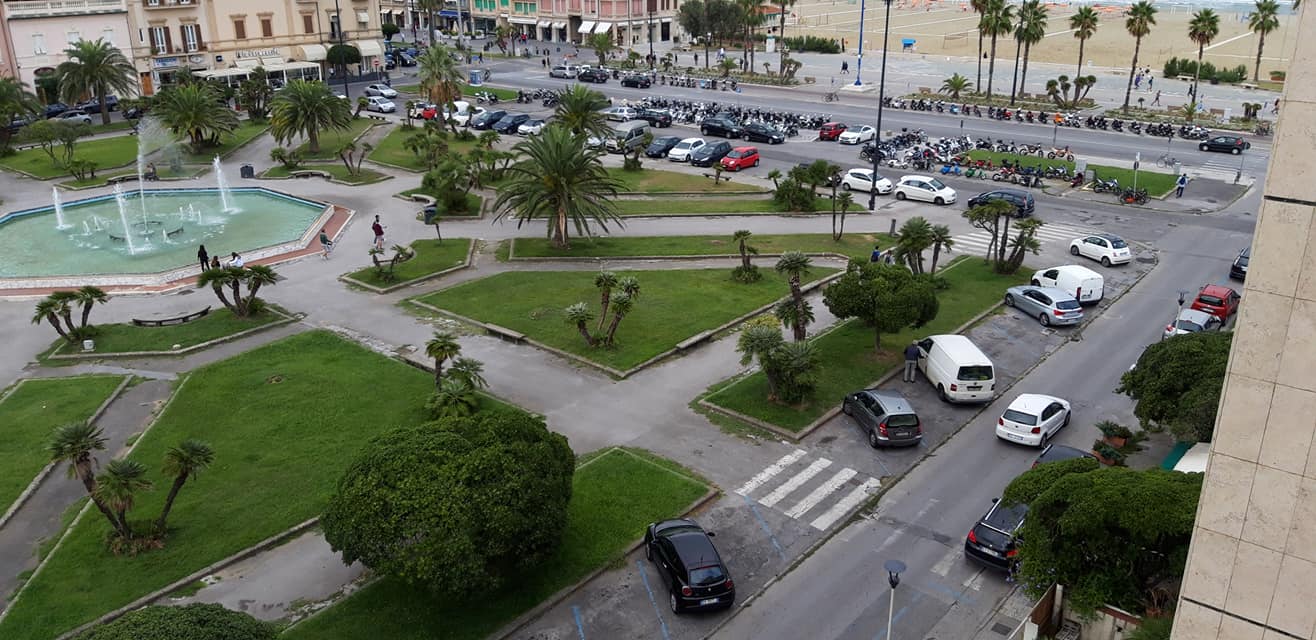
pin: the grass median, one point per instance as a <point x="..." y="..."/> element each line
<point x="106" y="153"/>
<point x="103" y="176"/>
<point x="1157" y="184"/>
<point x="431" y="257"/>
<point x="284" y="420"/>
<point x="32" y="412"/>
<point x="247" y="131"/>
<point x="858" y="245"/>
<point x="847" y="356"/>
<point x="127" y="337"/>
<point x="614" y="496"/>
<point x="337" y="171"/>
<point x="1033" y="160"/>
<point x="331" y="140"/>
<point x="662" y="181"/>
<point x="392" y="149"/>
<point x="726" y="205"/>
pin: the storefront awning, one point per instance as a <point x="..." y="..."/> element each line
<point x="603" y="27"/>
<point x="314" y="52"/>
<point x="521" y="20"/>
<point x="559" y="25"/>
<point x="223" y="73"/>
<point x="586" y="27"/>
<point x="399" y="12"/>
<point x="248" y="63"/>
<point x="544" y="24"/>
<point x="448" y="13"/>
<point x="269" y="62"/>
<point x="368" y="48"/>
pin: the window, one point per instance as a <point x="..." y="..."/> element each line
<point x="266" y="27"/>
<point x="239" y="29"/>
<point x="152" y="3"/>
<point x="308" y="23"/>
<point x="159" y="40"/>
<point x="72" y="37"/>
<point x="333" y="27"/>
<point x="190" y="39"/>
<point x="108" y="35"/>
<point x="39" y="43"/>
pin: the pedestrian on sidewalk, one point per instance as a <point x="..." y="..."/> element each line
<point x="203" y="257"/>
<point x="1275" y="110"/>
<point x="379" y="233"/>
<point x="236" y="261"/>
<point x="1180" y="184"/>
<point x="911" y="362"/>
<point x="326" y="244"/>
<point x="876" y="255"/>
<point x="1157" y="101"/>
<point x="1149" y="82"/>
<point x="1137" y="81"/>
<point x="845" y="68"/>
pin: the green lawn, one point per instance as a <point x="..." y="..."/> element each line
<point x="673" y="306"/>
<point x="284" y="420"/>
<point x="852" y="244"/>
<point x="107" y="153"/>
<point x="102" y="176"/>
<point x="1029" y="161"/>
<point x="333" y="139"/>
<point x="336" y="169"/>
<point x="114" y="125"/>
<point x="1157" y="184"/>
<point x="847" y="356"/>
<point x="614" y="496"/>
<point x="694" y="206"/>
<point x="220" y="322"/>
<point x="391" y="151"/>
<point x="660" y="181"/>
<point x="247" y="131"/>
<point x="31" y="413"/>
<point x="431" y="257"/>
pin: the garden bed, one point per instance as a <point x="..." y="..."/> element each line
<point x="474" y="204"/>
<point x="661" y="181"/>
<point x="331" y="140"/>
<point x="103" y="178"/>
<point x="337" y="171"/>
<point x="1157" y="184"/>
<point x="131" y="339"/>
<point x="431" y="259"/>
<point x="857" y="245"/>
<point x="392" y="152"/>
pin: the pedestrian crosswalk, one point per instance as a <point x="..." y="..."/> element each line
<point x="977" y="242"/>
<point x="782" y="485"/>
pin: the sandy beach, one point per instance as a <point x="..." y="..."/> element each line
<point x="949" y="27"/>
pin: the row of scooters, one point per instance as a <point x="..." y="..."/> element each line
<point x="1187" y="132"/>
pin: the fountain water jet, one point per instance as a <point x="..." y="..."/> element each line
<point x="123" y="217"/>
<point x="59" y="209"/>
<point x="225" y="195"/>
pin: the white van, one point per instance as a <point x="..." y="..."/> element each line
<point x="957" y="368"/>
<point x="1087" y="286"/>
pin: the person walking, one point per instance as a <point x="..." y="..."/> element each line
<point x="1157" y="100"/>
<point x="379" y="233"/>
<point x="203" y="257"/>
<point x="1180" y="184"/>
<point x="1150" y="80"/>
<point x="845" y="68"/>
<point x="1275" y="109"/>
<point x="876" y="255"/>
<point x="911" y="362"/>
<point x="326" y="244"/>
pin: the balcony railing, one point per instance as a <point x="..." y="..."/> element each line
<point x="170" y="4"/>
<point x="45" y="8"/>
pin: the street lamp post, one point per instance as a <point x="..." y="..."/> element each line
<point x="881" y="97"/>
<point x="652" y="60"/>
<point x="893" y="571"/>
<point x="338" y="14"/>
<point x="859" y="63"/>
<point x="708" y="37"/>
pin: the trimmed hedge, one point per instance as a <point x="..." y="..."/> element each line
<point x="192" y="622"/>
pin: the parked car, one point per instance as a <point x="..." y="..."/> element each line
<point x="1217" y="300"/>
<point x="94" y="106"/>
<point x="1106" y="248"/>
<point x="463" y="113"/>
<point x="1022" y="200"/>
<point x="924" y="188"/>
<point x="406" y="59"/>
<point x="597" y="76"/>
<point x="655" y="117"/>
<point x="1225" y="144"/>
<point x="1192" y="321"/>
<point x="957" y="368"/>
<point x="637" y="81"/>
<point x="563" y="71"/>
<point x="759" y="132"/>
<point x="1087" y="286"/>
<point x="861" y="179"/>
<point x="423" y="110"/>
<point x="1238" y="270"/>
<point x="660" y="146"/>
<point x="508" y="124"/>
<point x="487" y="119"/>
<point x="74" y="115"/>
<point x="741" y="158"/>
<point x="992" y="540"/>
<point x="864" y="133"/>
<point x="530" y="128"/>
<point x="690" y="566"/>
<point x="55" y="108"/>
<point x="683" y="149"/>
<point x="380" y="104"/>
<point x="1060" y="452"/>
<point x="621" y="114"/>
<point x="627" y="136"/>
<point x="720" y="126"/>
<point x="1049" y="305"/>
<point x="885" y="417"/>
<point x="831" y="130"/>
<point x="19" y="123"/>
<point x="710" y="154"/>
<point x="380" y="89"/>
<point x="1032" y="419"/>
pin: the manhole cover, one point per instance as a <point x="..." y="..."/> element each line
<point x="1001" y="629"/>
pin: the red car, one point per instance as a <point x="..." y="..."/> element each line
<point x="741" y="158"/>
<point x="831" y="130"/>
<point x="1217" y="300"/>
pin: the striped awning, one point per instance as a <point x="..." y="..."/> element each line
<point x="586" y="27"/>
<point x="603" y="27"/>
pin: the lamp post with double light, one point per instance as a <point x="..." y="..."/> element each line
<point x="881" y="97"/>
<point x="893" y="570"/>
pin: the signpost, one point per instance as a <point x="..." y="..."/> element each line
<point x="1137" y="158"/>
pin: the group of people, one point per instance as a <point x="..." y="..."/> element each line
<point x="212" y="262"/>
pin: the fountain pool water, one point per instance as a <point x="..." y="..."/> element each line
<point x="165" y="238"/>
<point x="59" y="209"/>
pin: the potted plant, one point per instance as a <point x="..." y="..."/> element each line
<point x="1106" y="454"/>
<point x="1277" y="76"/>
<point x="1116" y="435"/>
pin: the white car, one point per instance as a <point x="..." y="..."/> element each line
<point x="1032" y="419"/>
<point x="621" y="114"/>
<point x="530" y="128"/>
<point x="860" y="179"/>
<point x="74" y="115"/>
<point x="382" y="90"/>
<point x="683" y="149"/>
<point x="855" y="136"/>
<point x="1106" y="248"/>
<point x="380" y="104"/>
<point x="1192" y="321"/>
<point x="924" y="188"/>
<point x="462" y="112"/>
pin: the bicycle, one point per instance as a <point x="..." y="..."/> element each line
<point x="1166" y="161"/>
<point x="832" y="96"/>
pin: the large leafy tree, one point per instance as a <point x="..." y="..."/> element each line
<point x="459" y="506"/>
<point x="997" y="20"/>
<point x="1138" y="21"/>
<point x="1262" y="21"/>
<point x="579" y="110"/>
<point x="16" y="101"/>
<point x="194" y="110"/>
<point x="98" y="69"/>
<point x="1084" y="25"/>
<point x="440" y="77"/>
<point x="196" y="621"/>
<point x="886" y="297"/>
<point x="306" y="107"/>
<point x="1029" y="31"/>
<point x="1177" y="384"/>
<point x="560" y="181"/>
<point x="184" y="462"/>
<point x="1202" y="29"/>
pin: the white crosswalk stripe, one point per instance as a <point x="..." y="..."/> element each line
<point x="795" y="482"/>
<point x="844" y="506"/>
<point x="768" y="473"/>
<point x="977" y="242"/>
<point x="825" y="489"/>
<point x="824" y="493"/>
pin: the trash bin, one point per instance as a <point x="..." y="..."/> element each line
<point x="248" y="171"/>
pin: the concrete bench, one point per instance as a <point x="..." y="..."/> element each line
<point x="165" y="322"/>
<point x="1248" y="85"/>
<point x="1185" y="78"/>
<point x="504" y="333"/>
<point x="123" y="178"/>
<point x="810" y="80"/>
<point x="377" y="116"/>
<point x="422" y="198"/>
<point x="694" y="341"/>
<point x="714" y="177"/>
<point x="310" y="173"/>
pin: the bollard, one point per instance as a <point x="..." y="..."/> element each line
<point x="88" y="345"/>
<point x="893" y="227"/>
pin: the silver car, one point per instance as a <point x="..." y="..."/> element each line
<point x="885" y="417"/>
<point x="1049" y="305"/>
<point x="1192" y="321"/>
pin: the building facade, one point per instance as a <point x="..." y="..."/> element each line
<point x="1251" y="571"/>
<point x="37" y="32"/>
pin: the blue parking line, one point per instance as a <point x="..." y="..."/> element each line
<point x="644" y="577"/>
<point x="957" y="596"/>
<point x="900" y="613"/>
<point x="580" y="628"/>
<point x="885" y="470"/>
<point x="766" y="529"/>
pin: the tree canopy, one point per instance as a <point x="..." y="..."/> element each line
<point x="886" y="297"/>
<point x="458" y="506"/>
<point x="195" y="621"/>
<point x="1177" y="384"/>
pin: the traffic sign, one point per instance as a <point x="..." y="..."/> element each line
<point x="377" y="63"/>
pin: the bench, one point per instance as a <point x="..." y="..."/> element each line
<point x="1248" y="85"/>
<point x="379" y="117"/>
<point x="123" y="178"/>
<point x="1185" y="78"/>
<point x="310" y="173"/>
<point x="695" y="340"/>
<point x="714" y="177"/>
<point x="810" y="80"/>
<point x="165" y="322"/>
<point x="504" y="333"/>
<point x="422" y="198"/>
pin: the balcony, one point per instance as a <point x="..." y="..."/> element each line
<point x="170" y="4"/>
<point x="50" y="8"/>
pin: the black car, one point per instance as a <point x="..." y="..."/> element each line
<point x="690" y="566"/>
<point x="710" y="154"/>
<point x="1022" y="200"/>
<point x="55" y="108"/>
<point x="593" y="75"/>
<point x="756" y="132"/>
<point x="660" y="146"/>
<point x="636" y="80"/>
<point x="94" y="105"/>
<point x="655" y="117"/>
<point x="1238" y="270"/>
<point x="1058" y="452"/>
<point x="487" y="119"/>
<point x="19" y="123"/>
<point x="1225" y="144"/>
<point x="992" y="541"/>
<point x="885" y="417"/>
<point x="720" y="126"/>
<point x="508" y="124"/>
<point x="406" y="59"/>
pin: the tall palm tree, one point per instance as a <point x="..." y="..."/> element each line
<point x="997" y="20"/>
<point x="440" y="77"/>
<point x="183" y="462"/>
<point x="89" y="296"/>
<point x="602" y="45"/>
<point x="305" y="107"/>
<point x="16" y="99"/>
<point x="941" y="240"/>
<point x="64" y="301"/>
<point x="217" y="279"/>
<point x="740" y="237"/>
<point x="1202" y="29"/>
<point x="468" y="370"/>
<point x="914" y="237"/>
<point x="605" y="281"/>
<point x="1084" y="25"/>
<point x="194" y="110"/>
<point x="118" y="485"/>
<point x="560" y="181"/>
<point x="578" y="109"/>
<point x="795" y="265"/>
<point x="257" y="275"/>
<point x="74" y="443"/>
<point x="95" y="68"/>
<point x="1262" y="21"/>
<point x="48" y="310"/>
<point x="979" y="7"/>
<point x="1139" y="20"/>
<point x="1030" y="31"/>
<point x="579" y="315"/>
<point x="782" y="5"/>
<point x="442" y="347"/>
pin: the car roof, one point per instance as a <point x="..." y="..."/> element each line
<point x="1195" y="316"/>
<point x="915" y="177"/>
<point x="961" y="349"/>
<point x="892" y="401"/>
<point x="1005" y="517"/>
<point x="1108" y="236"/>
<point x="1057" y="452"/>
<point x="1217" y="290"/>
<point x="755" y="149"/>
<point x="860" y="170"/>
<point x="692" y="139"/>
<point x="667" y="139"/>
<point x="1032" y="402"/>
<point x="1055" y="293"/>
<point x="1247" y="251"/>
<point x="1078" y="270"/>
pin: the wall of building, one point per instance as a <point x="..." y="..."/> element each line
<point x="38" y="40"/>
<point x="8" y="65"/>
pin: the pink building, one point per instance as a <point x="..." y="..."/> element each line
<point x="38" y="31"/>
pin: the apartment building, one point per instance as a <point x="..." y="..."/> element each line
<point x="36" y="32"/>
<point x="628" y="21"/>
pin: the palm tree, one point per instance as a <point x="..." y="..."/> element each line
<point x="1030" y="31"/>
<point x="602" y="45"/>
<point x="1084" y="25"/>
<point x="941" y="239"/>
<point x="443" y="346"/>
<point x="16" y="99"/>
<point x="997" y="20"/>
<point x="979" y="7"/>
<point x="797" y="317"/>
<point x="74" y="443"/>
<point x="560" y="181"/>
<point x="217" y="279"/>
<point x="954" y="85"/>
<point x="430" y="144"/>
<point x="630" y="285"/>
<point x="440" y="77"/>
<point x="468" y="370"/>
<point x="1202" y="29"/>
<point x="775" y="177"/>
<point x="1141" y="17"/>
<point x="256" y="276"/>
<point x="580" y="315"/>
<point x="622" y="303"/>
<point x="195" y="110"/>
<point x="757" y="341"/>
<point x="117" y="487"/>
<point x="782" y="5"/>
<point x="48" y="310"/>
<point x="605" y="281"/>
<point x="795" y="265"/>
<point x="183" y="462"/>
<point x="578" y="109"/>
<point x="914" y="237"/>
<point x="1262" y="21"/>
<point x="64" y="301"/>
<point x="843" y="203"/>
<point x="741" y="238"/>
<point x="88" y="296"/>
<point x="305" y="107"/>
<point x="95" y="68"/>
<point x="454" y="398"/>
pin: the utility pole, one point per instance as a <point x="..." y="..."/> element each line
<point x="338" y="15"/>
<point x="881" y="97"/>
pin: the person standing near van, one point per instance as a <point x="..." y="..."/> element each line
<point x="911" y="362"/>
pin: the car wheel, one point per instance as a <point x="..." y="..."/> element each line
<point x="1105" y="262"/>
<point x="845" y="408"/>
<point x="1065" y="422"/>
<point x="1044" y="319"/>
<point x="900" y="195"/>
<point x="845" y="186"/>
<point x="941" y="393"/>
<point x="1073" y="251"/>
<point x="676" y="604"/>
<point x="938" y="201"/>
<point x="756" y="162"/>
<point x="704" y="131"/>
<point x="1009" y="300"/>
<point x="1235" y="151"/>
<point x="872" y="439"/>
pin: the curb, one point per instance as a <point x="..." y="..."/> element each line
<point x="470" y="260"/>
<point x="316" y="173"/>
<point x="54" y="355"/>
<point x="199" y="172"/>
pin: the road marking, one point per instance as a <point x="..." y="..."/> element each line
<point x="954" y="595"/>
<point x="768" y="473"/>
<point x="644" y="577"/>
<point x="810" y="501"/>
<point x="766" y="528"/>
<point x="845" y="505"/>
<point x="795" y="482"/>
<point x="975" y="581"/>
<point x="580" y="628"/>
<point x="943" y="565"/>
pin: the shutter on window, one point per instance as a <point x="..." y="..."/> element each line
<point x="200" y="45"/>
<point x="182" y="37"/>
<point x="155" y="46"/>
<point x="169" y="40"/>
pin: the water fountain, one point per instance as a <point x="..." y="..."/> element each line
<point x="225" y="195"/>
<point x="123" y="217"/>
<point x="59" y="209"/>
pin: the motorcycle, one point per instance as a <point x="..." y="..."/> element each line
<point x="1076" y="182"/>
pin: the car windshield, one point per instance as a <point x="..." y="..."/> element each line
<point x="976" y="373"/>
<point x="1118" y="243"/>
<point x="1006" y="517"/>
<point x="684" y="145"/>
<point x="902" y="420"/>
<point x="704" y="576"/>
<point x="1067" y="304"/>
<point x="1242" y="260"/>
<point x="1211" y="300"/>
<point x="936" y="184"/>
<point x="737" y="154"/>
<point x="1020" y="417"/>
<point x="1188" y="325"/>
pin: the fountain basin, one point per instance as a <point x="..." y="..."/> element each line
<point x="166" y="227"/>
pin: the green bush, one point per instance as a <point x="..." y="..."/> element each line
<point x="1172" y="68"/>
<point x="791" y="195"/>
<point x="192" y="622"/>
<point x="812" y="43"/>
